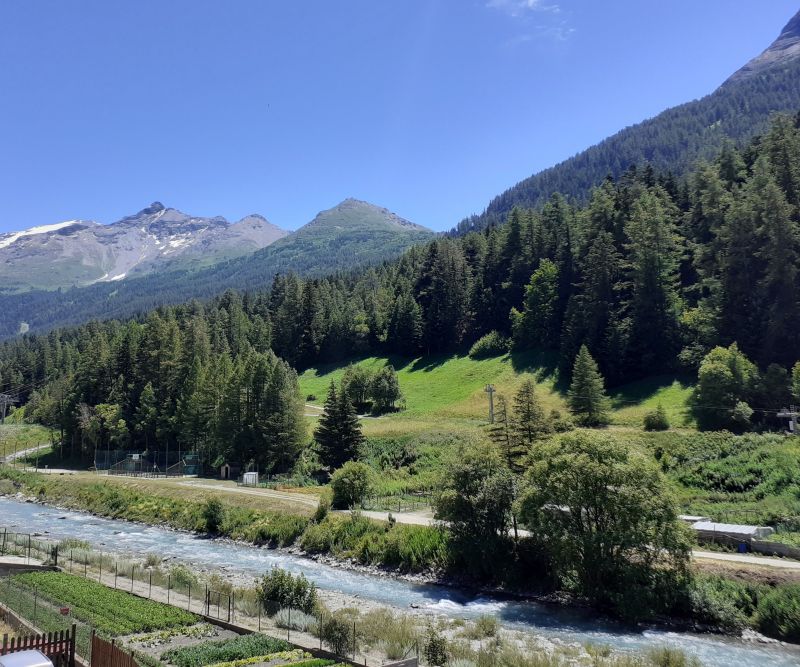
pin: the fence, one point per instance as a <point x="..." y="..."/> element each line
<point x="44" y="614"/>
<point x="177" y="587"/>
<point x="108" y="654"/>
<point x="775" y="549"/>
<point x="25" y="546"/>
<point x="58" y="646"/>
<point x="401" y="502"/>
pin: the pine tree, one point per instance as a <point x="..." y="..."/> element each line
<point x="501" y="434"/>
<point x="652" y="272"/>
<point x="147" y="415"/>
<point x="537" y="325"/>
<point x="587" y="396"/>
<point x="338" y="432"/>
<point x="529" y="423"/>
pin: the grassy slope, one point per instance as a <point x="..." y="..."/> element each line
<point x="449" y="391"/>
<point x="16" y="437"/>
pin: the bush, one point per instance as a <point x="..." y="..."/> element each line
<point x="278" y="589"/>
<point x="295" y="619"/>
<point x="656" y="420"/>
<point x="337" y="633"/>
<point x="779" y="613"/>
<point x="351" y="484"/>
<point x="213" y="515"/>
<point x="435" y="648"/>
<point x="670" y="657"/>
<point x="182" y="577"/>
<point x="323" y="508"/>
<point x="722" y="603"/>
<point x="484" y="627"/>
<point x="493" y="344"/>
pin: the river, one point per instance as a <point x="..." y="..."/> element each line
<point x="558" y="624"/>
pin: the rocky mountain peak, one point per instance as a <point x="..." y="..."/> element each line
<point x="785" y="48"/>
<point x="155" y="207"/>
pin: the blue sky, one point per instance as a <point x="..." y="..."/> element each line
<point x="427" y="107"/>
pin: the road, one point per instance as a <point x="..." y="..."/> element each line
<point x="426" y="519"/>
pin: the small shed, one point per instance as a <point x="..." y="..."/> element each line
<point x="230" y="471"/>
<point x="730" y="533"/>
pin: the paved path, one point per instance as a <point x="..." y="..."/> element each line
<point x="747" y="559"/>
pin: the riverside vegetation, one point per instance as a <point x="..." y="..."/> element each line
<point x="570" y="301"/>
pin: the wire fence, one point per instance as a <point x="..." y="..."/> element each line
<point x="179" y="587"/>
<point x="44" y="613"/>
<point x="410" y="501"/>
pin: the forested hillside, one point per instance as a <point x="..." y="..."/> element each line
<point x="671" y="142"/>
<point x="350" y="235"/>
<point x="653" y="275"/>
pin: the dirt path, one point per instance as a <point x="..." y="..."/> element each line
<point x="299" y="498"/>
<point x="23" y="453"/>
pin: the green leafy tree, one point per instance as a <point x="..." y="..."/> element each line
<point x="351" y="484"/>
<point x="587" y="396"/>
<point x="796" y="381"/>
<point x="385" y="389"/>
<point x="356" y="383"/>
<point x="726" y="378"/>
<point x="607" y="519"/>
<point x="477" y="501"/>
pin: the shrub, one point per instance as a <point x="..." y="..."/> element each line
<point x="670" y="657"/>
<point x="721" y="602"/>
<point x="213" y="515"/>
<point x="485" y="626"/>
<point x="279" y="589"/>
<point x="779" y="613"/>
<point x="656" y="420"/>
<point x="295" y="619"/>
<point x="351" y="484"/>
<point x="182" y="577"/>
<point x="323" y="508"/>
<point x="435" y="648"/>
<point x="493" y="344"/>
<point x="337" y="632"/>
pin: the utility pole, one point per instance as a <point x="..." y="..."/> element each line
<point x="791" y="414"/>
<point x="5" y="401"/>
<point x="490" y="390"/>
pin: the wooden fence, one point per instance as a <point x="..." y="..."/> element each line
<point x="108" y="654"/>
<point x="58" y="646"/>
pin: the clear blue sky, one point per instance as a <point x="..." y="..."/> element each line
<point x="427" y="107"/>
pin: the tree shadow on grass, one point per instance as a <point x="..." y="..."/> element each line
<point x="641" y="390"/>
<point x="542" y="364"/>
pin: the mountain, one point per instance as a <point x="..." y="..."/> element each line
<point x="674" y="140"/>
<point x="81" y="253"/>
<point x="781" y="52"/>
<point x="350" y="235"/>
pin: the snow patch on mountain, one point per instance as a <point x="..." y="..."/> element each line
<point x="7" y="239"/>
